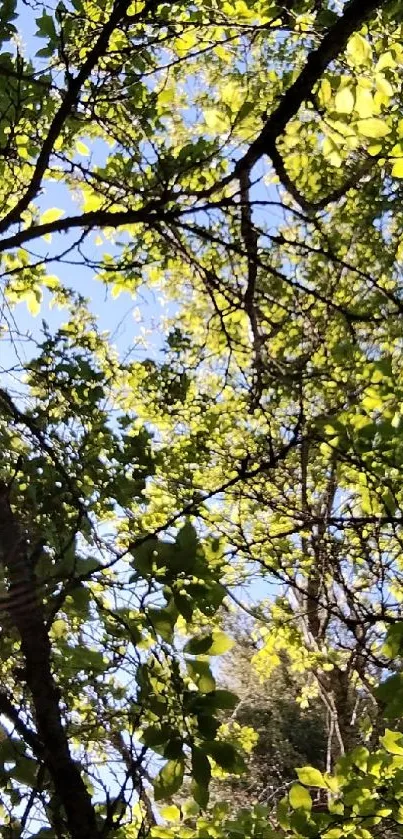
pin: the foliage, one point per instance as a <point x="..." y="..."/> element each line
<point x="242" y="161"/>
<point x="274" y="731"/>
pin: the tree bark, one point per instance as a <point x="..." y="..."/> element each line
<point x="27" y="616"/>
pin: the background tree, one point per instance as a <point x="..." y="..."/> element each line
<point x="287" y="733"/>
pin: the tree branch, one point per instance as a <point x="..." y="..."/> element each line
<point x="69" y="101"/>
<point x="313" y="206"/>
<point x="355" y="14"/>
<point x="36" y="648"/>
<point x="154" y="211"/>
<point x="30" y="737"/>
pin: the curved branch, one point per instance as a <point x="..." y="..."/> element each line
<point x="305" y="204"/>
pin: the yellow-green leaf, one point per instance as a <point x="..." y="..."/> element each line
<point x="215" y="120"/>
<point x="373" y="127"/>
<point x="344" y="100"/>
<point x="392" y="742"/>
<point x="300" y="798"/>
<point x="171" y="813"/>
<point x="221" y="644"/>
<point x="82" y="149"/>
<point x="51" y="215"/>
<point x="364" y="103"/>
<point x="359" y="50"/>
<point x="325" y="91"/>
<point x="59" y="628"/>
<point x="386" y="60"/>
<point x="383" y="85"/>
<point x="311" y="777"/>
<point x="167" y="95"/>
<point x="397" y="169"/>
<point x="33" y="301"/>
<point x="51" y="281"/>
<point x="374" y="150"/>
<point x="169" y="780"/>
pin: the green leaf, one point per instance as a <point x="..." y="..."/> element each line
<point x="184" y="605"/>
<point x="282" y="813"/>
<point x="162" y="622"/>
<point x="171" y="813"/>
<point x="311" y="777"/>
<point x="397" y="168"/>
<point x="82" y="149"/>
<point x="46" y="27"/>
<point x="200" y="794"/>
<point x="224" y="754"/>
<point x="201" y="769"/>
<point x="390" y="694"/>
<point x="394" y="640"/>
<point x="344" y="100"/>
<point x="215" y="643"/>
<point x="146" y="555"/>
<point x="174" y="748"/>
<point x="25" y="771"/>
<point x="207" y="725"/>
<point x="225" y="699"/>
<point x="51" y="215"/>
<point x="169" y="780"/>
<point x="187" y="538"/>
<point x="392" y="742"/>
<point x="199" y="645"/>
<point x="200" y="673"/>
<point x="300" y="798"/>
<point x="359" y="756"/>
<point x="157" y="735"/>
<point x="33" y="302"/>
<point x="373" y="127"/>
<point x="359" y="50"/>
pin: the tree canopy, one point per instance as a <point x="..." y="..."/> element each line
<point x="233" y="171"/>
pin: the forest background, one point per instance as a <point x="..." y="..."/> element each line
<point x="201" y="543"/>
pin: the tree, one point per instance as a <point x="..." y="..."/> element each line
<point x="244" y="159"/>
<point x="285" y="734"/>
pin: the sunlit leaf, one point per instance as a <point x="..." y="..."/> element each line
<point x="300" y="798"/>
